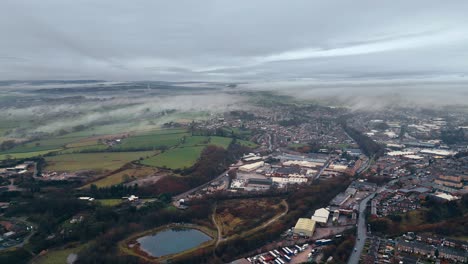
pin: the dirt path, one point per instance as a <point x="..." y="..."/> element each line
<point x="269" y="222"/>
<point x="213" y="218"/>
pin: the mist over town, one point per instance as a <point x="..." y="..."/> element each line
<point x="236" y="132"/>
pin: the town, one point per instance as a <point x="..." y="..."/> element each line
<point x="393" y="170"/>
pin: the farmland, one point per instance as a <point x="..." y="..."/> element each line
<point x="82" y="149"/>
<point x="187" y="153"/>
<point x="205" y="140"/>
<point x="41" y="145"/>
<point x="167" y="138"/>
<point x="107" y="161"/>
<point x="25" y="155"/>
<point x="86" y="141"/>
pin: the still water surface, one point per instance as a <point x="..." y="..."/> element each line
<point x="172" y="241"/>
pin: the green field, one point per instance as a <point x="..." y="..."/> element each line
<point x="162" y="131"/>
<point x="246" y="143"/>
<point x="192" y="141"/>
<point x="177" y="158"/>
<point x="240" y="133"/>
<point x="83" y="143"/>
<point x="154" y="140"/>
<point x="89" y="148"/>
<point x="105" y="161"/>
<point x="220" y="141"/>
<point x="25" y="155"/>
<point x="41" y="145"/>
<point x="86" y="141"/>
<point x="82" y="150"/>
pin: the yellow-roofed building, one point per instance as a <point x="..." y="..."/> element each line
<point x="305" y="227"/>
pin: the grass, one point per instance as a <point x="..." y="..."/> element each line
<point x="238" y="131"/>
<point x="59" y="256"/>
<point x="162" y="131"/>
<point x="188" y="153"/>
<point x="151" y="141"/>
<point x="93" y="161"/>
<point x="205" y="141"/>
<point x="83" y="143"/>
<point x="88" y="148"/>
<point x="177" y="158"/>
<point x="221" y="141"/>
<point x="26" y="154"/>
<point x="119" y="177"/>
<point x="246" y="143"/>
<point x="191" y="141"/>
<point x="86" y="141"/>
<point x="41" y="145"/>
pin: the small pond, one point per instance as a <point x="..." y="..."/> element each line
<point x="171" y="241"/>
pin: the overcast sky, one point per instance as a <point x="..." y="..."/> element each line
<point x="233" y="40"/>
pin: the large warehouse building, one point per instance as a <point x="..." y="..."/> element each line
<point x="252" y="166"/>
<point x="321" y="215"/>
<point x="305" y="227"/>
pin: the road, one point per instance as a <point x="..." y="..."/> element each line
<point x="361" y="231"/>
<point x="322" y="169"/>
<point x="270" y="146"/>
<point x="365" y="166"/>
<point x="187" y="193"/>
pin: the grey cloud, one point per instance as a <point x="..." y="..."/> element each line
<point x="230" y="41"/>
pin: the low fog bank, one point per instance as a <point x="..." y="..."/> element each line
<point x="372" y="95"/>
<point x="135" y="111"/>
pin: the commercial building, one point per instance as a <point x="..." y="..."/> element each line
<point x="321" y="216"/>
<point x="303" y="163"/>
<point x="258" y="184"/>
<point x="252" y="166"/>
<point x="304" y="227"/>
<point x="438" y="152"/>
<point x="337" y="167"/>
<point x="353" y="152"/>
<point x="290" y="179"/>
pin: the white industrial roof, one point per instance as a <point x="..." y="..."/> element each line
<point x="321" y="215"/>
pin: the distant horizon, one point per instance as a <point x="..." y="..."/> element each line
<point x="232" y="41"/>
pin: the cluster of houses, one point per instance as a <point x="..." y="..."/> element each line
<point x="390" y="201"/>
<point x="12" y="233"/>
<point x="433" y="247"/>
